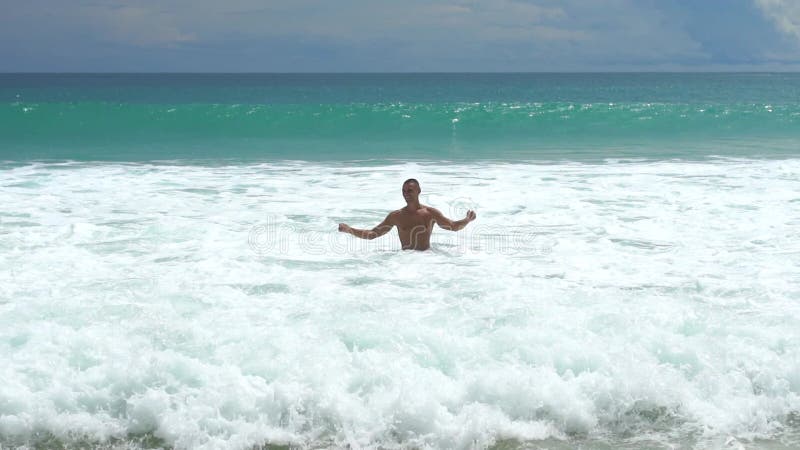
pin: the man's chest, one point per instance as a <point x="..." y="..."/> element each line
<point x="407" y="221"/>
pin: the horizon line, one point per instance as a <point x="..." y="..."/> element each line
<point x="555" y="72"/>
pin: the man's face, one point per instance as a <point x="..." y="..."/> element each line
<point x="410" y="191"/>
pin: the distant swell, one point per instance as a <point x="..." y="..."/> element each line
<point x="470" y="121"/>
<point x="74" y="128"/>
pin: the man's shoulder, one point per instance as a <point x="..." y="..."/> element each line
<point x="423" y="209"/>
<point x="432" y="210"/>
<point x="394" y="215"/>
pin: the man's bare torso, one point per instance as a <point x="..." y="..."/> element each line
<point x="414" y="227"/>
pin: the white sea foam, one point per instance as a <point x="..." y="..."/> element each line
<point x="217" y="307"/>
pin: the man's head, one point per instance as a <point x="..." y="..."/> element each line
<point x="411" y="190"/>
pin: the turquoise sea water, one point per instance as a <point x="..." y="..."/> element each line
<point x="390" y="116"/>
<point x="171" y="275"/>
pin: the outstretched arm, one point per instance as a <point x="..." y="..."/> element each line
<point x="381" y="229"/>
<point x="453" y="225"/>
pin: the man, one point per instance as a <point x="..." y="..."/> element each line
<point x="414" y="222"/>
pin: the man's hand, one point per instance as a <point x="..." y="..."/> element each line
<point x="470" y="215"/>
<point x="344" y="228"/>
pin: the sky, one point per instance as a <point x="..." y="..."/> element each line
<point x="398" y="36"/>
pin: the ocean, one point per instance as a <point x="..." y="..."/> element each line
<point x="171" y="275"/>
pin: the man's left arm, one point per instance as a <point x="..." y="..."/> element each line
<point x="452" y="225"/>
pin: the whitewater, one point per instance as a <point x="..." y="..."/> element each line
<point x="622" y="304"/>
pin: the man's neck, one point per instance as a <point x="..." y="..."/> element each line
<point x="413" y="206"/>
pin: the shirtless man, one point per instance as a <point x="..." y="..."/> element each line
<point x="414" y="222"/>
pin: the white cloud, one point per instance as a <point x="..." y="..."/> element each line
<point x="784" y="13"/>
<point x="459" y="35"/>
<point x="138" y="25"/>
<point x="143" y="23"/>
<point x="567" y="30"/>
<point x="441" y="34"/>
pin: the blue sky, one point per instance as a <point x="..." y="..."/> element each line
<point x="398" y="36"/>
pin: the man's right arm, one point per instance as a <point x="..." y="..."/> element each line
<point x="381" y="229"/>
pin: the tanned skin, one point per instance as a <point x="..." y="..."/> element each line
<point x="414" y="222"/>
